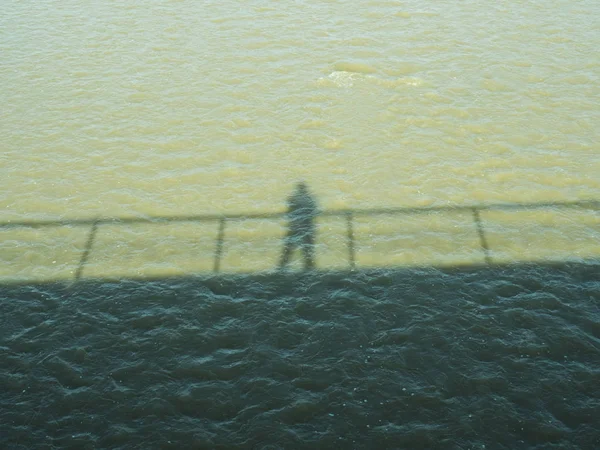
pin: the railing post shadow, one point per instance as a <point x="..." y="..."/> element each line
<point x="482" y="240"/>
<point x="219" y="247"/>
<point x="351" y="249"/>
<point x="86" y="252"/>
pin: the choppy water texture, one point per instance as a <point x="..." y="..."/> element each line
<point x="493" y="358"/>
<point x="180" y="107"/>
<point x="177" y="107"/>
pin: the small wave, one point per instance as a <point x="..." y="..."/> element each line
<point x="354" y="68"/>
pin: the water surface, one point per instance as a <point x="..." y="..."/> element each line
<point x="177" y="108"/>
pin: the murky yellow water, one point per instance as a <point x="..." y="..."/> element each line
<point x="186" y="107"/>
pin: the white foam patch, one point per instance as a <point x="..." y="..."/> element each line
<point x="342" y="78"/>
<point x="345" y="79"/>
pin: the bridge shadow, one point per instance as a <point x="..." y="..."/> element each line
<point x="109" y="334"/>
<point x="452" y="335"/>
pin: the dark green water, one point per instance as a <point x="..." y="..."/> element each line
<point x="495" y="358"/>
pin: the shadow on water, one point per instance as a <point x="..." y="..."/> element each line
<point x="481" y="356"/>
<point x="302" y="211"/>
<point x="484" y="356"/>
<point x="302" y="231"/>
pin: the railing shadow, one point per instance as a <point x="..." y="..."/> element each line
<point x="95" y="225"/>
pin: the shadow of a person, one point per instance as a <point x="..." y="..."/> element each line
<point x="302" y="210"/>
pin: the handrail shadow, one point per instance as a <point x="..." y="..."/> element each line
<point x="582" y="204"/>
<point x="348" y="215"/>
